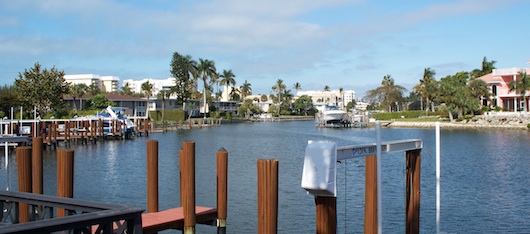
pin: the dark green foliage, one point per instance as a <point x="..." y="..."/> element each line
<point x="8" y="99"/>
<point x="303" y="104"/>
<point x="98" y="102"/>
<point x="400" y="115"/>
<point x="41" y="88"/>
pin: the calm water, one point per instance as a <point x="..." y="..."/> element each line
<point x="485" y="176"/>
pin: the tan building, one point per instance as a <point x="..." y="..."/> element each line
<point x="107" y="84"/>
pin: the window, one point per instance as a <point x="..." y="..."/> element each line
<point x="494" y="90"/>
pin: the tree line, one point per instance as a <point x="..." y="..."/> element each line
<point x="457" y="95"/>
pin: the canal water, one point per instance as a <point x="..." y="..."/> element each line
<point x="485" y="176"/>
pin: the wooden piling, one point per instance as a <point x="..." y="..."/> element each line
<point x="222" y="187"/>
<point x="152" y="176"/>
<point x="23" y="155"/>
<point x="65" y="176"/>
<point x="413" y="191"/>
<point x="37" y="165"/>
<point x="188" y="180"/>
<point x="267" y="196"/>
<point x="370" y="196"/>
<point x="326" y="217"/>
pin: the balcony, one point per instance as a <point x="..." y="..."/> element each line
<point x="509" y="71"/>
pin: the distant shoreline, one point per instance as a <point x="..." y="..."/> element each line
<point x="403" y="124"/>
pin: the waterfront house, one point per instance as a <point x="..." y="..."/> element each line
<point x="498" y="82"/>
<point x="133" y="106"/>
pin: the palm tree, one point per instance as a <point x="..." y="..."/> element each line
<point x="94" y="89"/>
<point x="427" y="88"/>
<point x="341" y="98"/>
<point x="163" y="94"/>
<point x="206" y="69"/>
<point x="78" y="90"/>
<point x="227" y="78"/>
<point x="297" y="86"/>
<point x="279" y="87"/>
<point x="520" y="86"/>
<point x="326" y="89"/>
<point x="147" y="89"/>
<point x="246" y="89"/>
<point x="126" y="89"/>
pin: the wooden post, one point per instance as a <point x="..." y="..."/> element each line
<point x="188" y="173"/>
<point x="152" y="176"/>
<point x="370" y="195"/>
<point x="23" y="155"/>
<point x="413" y="191"/>
<point x="36" y="163"/>
<point x="326" y="217"/>
<point x="65" y="176"/>
<point x="222" y="187"/>
<point x="267" y="196"/>
<point x="181" y="173"/>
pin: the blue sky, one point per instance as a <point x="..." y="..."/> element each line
<point x="349" y="44"/>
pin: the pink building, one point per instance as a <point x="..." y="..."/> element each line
<point x="498" y="82"/>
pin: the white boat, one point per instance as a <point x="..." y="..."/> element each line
<point x="110" y="114"/>
<point x="331" y="116"/>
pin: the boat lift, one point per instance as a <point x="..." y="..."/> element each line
<point x="319" y="179"/>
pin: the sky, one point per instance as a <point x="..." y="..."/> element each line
<point x="348" y="44"/>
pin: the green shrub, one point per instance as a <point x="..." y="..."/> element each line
<point x="398" y="115"/>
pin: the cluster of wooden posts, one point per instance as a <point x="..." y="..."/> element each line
<point x="29" y="162"/>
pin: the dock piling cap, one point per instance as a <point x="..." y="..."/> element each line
<point x="222" y="149"/>
<point x="319" y="173"/>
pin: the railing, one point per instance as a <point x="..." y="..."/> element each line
<point x="83" y="216"/>
<point x="509" y="71"/>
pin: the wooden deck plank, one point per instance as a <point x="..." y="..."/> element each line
<point x="174" y="218"/>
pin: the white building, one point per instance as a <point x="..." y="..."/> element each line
<point x="107" y="84"/>
<point x="158" y="84"/>
<point x="332" y="98"/>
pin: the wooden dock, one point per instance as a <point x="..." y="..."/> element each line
<point x="81" y="130"/>
<point x="174" y="219"/>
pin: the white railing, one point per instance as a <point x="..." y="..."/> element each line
<point x="509" y="71"/>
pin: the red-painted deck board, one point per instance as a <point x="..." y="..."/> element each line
<point x="174" y="218"/>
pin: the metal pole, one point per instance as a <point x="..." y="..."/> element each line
<point x="6" y="154"/>
<point x="379" y="180"/>
<point x="437" y="177"/>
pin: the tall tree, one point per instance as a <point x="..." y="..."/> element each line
<point x="78" y="90"/>
<point x="164" y="94"/>
<point x="126" y="89"/>
<point x="41" y="88"/>
<point x="388" y="94"/>
<point x="206" y="69"/>
<point x="148" y="89"/>
<point x="184" y="70"/>
<point x="227" y="79"/>
<point x="486" y="68"/>
<point x="303" y="104"/>
<point x="8" y="99"/>
<point x="279" y="87"/>
<point x="246" y="89"/>
<point x="456" y="95"/>
<point x="427" y="87"/>
<point x="520" y="86"/>
<point x="297" y="86"/>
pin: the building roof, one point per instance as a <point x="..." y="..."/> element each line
<point x="490" y="79"/>
<point x="110" y="97"/>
